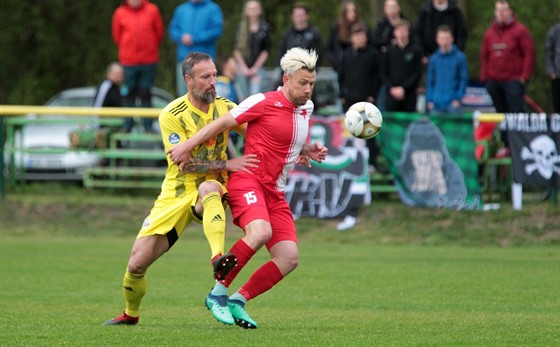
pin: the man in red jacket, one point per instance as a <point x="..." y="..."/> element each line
<point x="138" y="31"/>
<point x="507" y="60"/>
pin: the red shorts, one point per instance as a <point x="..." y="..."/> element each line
<point x="250" y="200"/>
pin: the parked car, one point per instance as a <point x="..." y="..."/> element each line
<point x="48" y="140"/>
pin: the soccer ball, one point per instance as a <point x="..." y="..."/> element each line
<point x="363" y="120"/>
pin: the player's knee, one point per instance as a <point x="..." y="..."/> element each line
<point x="257" y="239"/>
<point x="287" y="263"/>
<point x="136" y="268"/>
<point x="263" y="236"/>
<point x="208" y="187"/>
<point x="292" y="262"/>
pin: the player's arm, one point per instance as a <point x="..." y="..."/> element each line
<point x="181" y="153"/>
<point x="311" y="151"/>
<point x="203" y="166"/>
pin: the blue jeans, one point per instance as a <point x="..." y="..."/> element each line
<point x="249" y="85"/>
<point x="445" y="110"/>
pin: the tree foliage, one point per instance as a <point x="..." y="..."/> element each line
<point x="46" y="46"/>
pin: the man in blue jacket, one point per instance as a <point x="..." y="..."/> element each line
<point x="196" y="26"/>
<point x="447" y="77"/>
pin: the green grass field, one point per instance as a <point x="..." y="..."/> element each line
<point x="387" y="283"/>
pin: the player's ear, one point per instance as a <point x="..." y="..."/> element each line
<point x="285" y="79"/>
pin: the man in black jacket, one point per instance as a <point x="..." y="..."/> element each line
<point x="358" y="74"/>
<point x="432" y="15"/>
<point x="401" y="70"/>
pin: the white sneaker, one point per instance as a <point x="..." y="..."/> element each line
<point x="347" y="223"/>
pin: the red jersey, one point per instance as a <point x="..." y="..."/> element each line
<point x="276" y="132"/>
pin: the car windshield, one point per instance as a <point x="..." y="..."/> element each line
<point x="85" y="101"/>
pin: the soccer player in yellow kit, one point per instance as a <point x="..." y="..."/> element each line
<point x="197" y="193"/>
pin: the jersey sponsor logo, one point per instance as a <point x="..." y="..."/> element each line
<point x="146" y="223"/>
<point x="278" y="104"/>
<point x="174" y="138"/>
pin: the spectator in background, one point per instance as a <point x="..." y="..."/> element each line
<point x="432" y="15"/>
<point x="226" y="88"/>
<point x="447" y="77"/>
<point x="358" y="77"/>
<point x="358" y="74"/>
<point x="108" y="93"/>
<point x="507" y="59"/>
<point x="252" y="49"/>
<point x="137" y="28"/>
<point x="401" y="70"/>
<point x="553" y="63"/>
<point x="340" y="34"/>
<point x="383" y="35"/>
<point x="196" y="26"/>
<point x="225" y="85"/>
<point x="300" y="34"/>
<point x="383" y="38"/>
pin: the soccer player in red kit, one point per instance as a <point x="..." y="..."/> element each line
<point x="277" y="129"/>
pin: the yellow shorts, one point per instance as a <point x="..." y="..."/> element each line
<point x="173" y="213"/>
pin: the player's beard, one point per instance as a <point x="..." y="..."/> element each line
<point x="207" y="97"/>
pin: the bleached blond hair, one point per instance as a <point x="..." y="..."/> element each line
<point x="298" y="58"/>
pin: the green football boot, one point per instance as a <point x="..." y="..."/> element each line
<point x="218" y="305"/>
<point x="241" y="317"/>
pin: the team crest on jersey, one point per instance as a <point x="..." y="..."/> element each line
<point x="174" y="138"/>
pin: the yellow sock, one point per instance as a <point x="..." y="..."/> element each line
<point x="214" y="222"/>
<point x="134" y="288"/>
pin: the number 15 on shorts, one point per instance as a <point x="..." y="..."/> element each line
<point x="250" y="197"/>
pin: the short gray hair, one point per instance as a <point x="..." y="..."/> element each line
<point x="298" y="58"/>
<point x="191" y="60"/>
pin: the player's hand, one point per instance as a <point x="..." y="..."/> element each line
<point x="317" y="152"/>
<point x="303" y="160"/>
<point x="180" y="155"/>
<point x="243" y="163"/>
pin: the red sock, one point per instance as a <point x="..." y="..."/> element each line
<point x="261" y="280"/>
<point x="243" y="253"/>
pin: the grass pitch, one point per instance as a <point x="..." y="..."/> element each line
<point x="59" y="292"/>
<point x="61" y="267"/>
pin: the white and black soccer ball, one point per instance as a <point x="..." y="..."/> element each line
<point x="363" y="120"/>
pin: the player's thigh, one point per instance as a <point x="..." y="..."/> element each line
<point x="282" y="224"/>
<point x="247" y="200"/>
<point x="169" y="215"/>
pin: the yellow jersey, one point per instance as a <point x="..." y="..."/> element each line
<point x="180" y="120"/>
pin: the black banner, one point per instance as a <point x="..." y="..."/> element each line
<point x="534" y="141"/>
